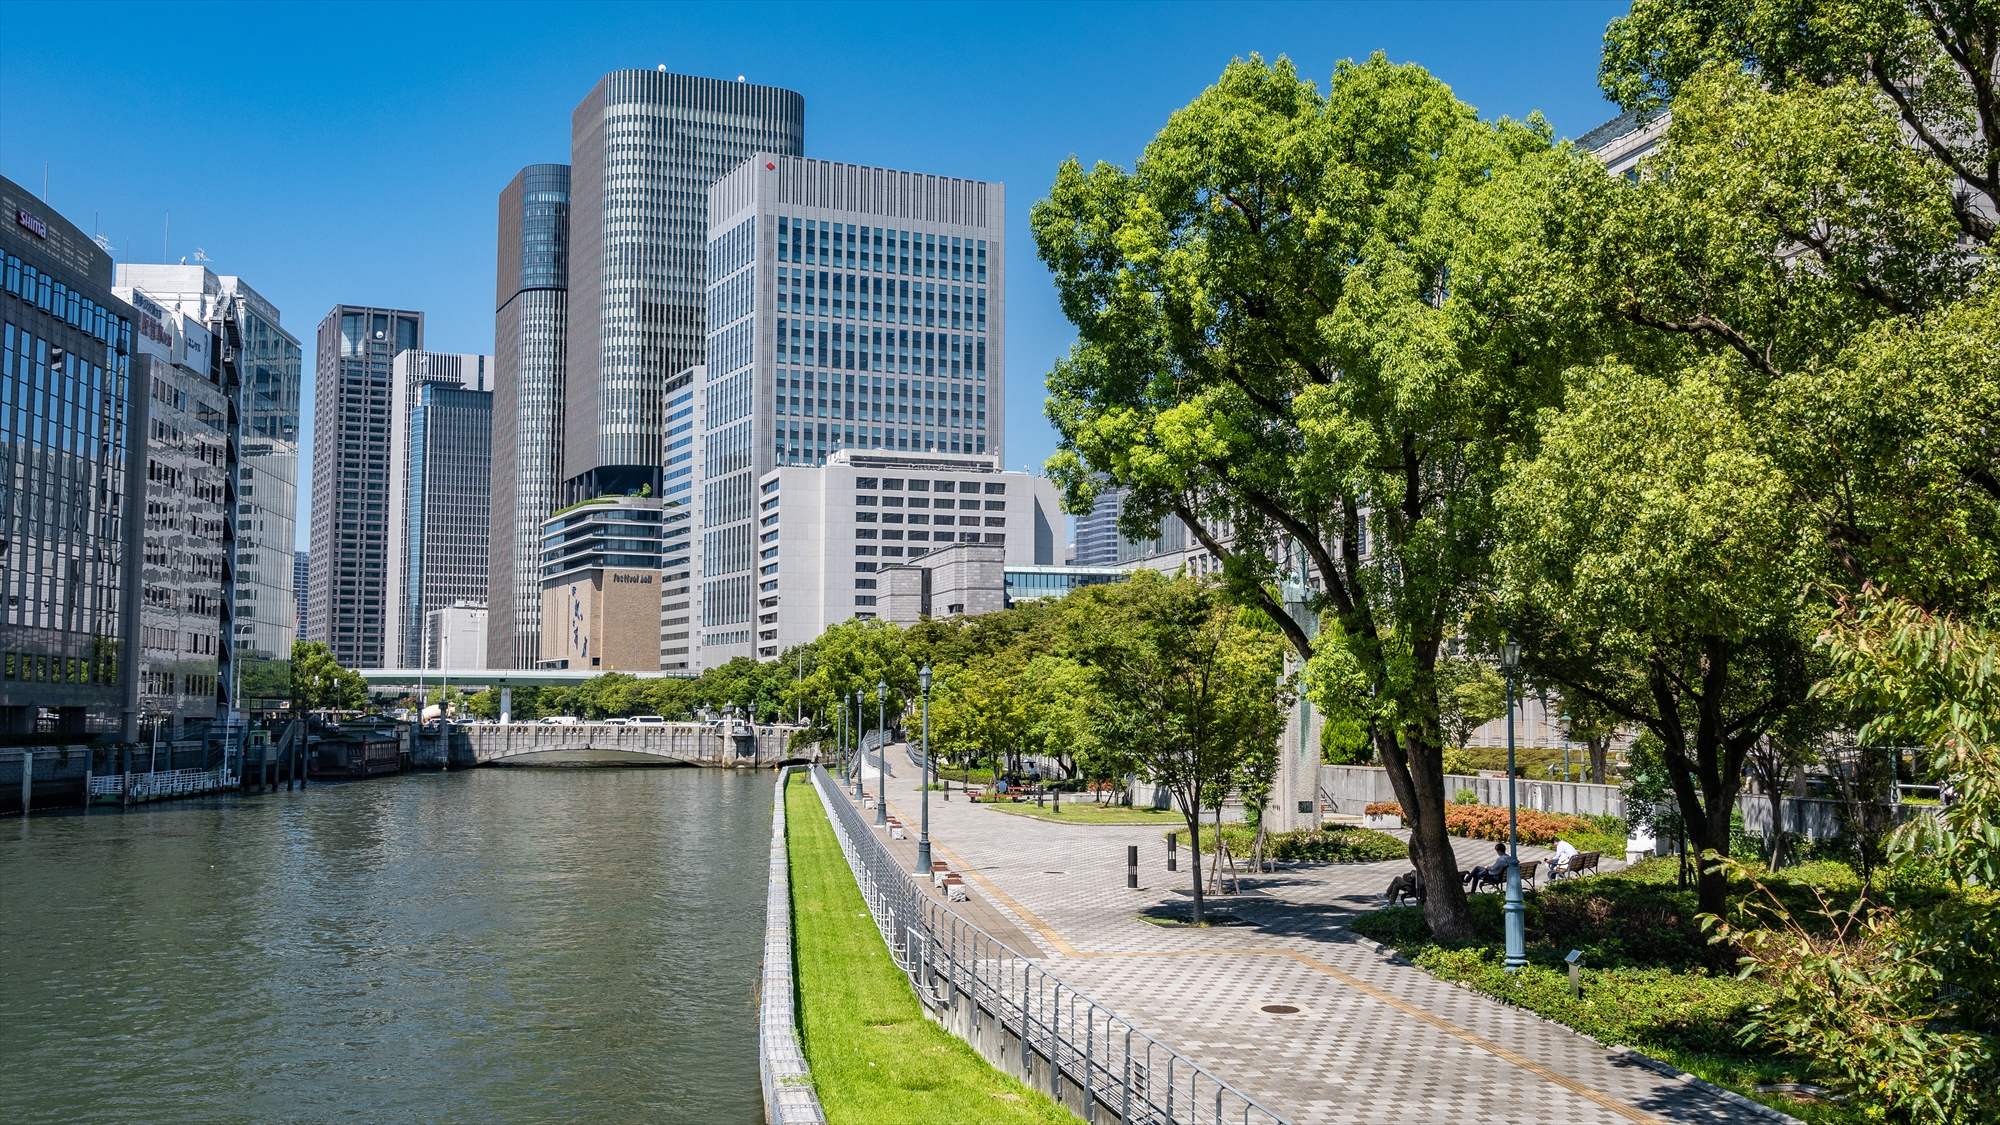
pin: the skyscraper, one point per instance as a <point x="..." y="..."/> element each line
<point x="440" y="489"/>
<point x="301" y="582"/>
<point x="258" y="365"/>
<point x="347" y="605"/>
<point x="69" y="409"/>
<point x="645" y="146"/>
<point x="849" y="308"/>
<point x="530" y="333"/>
<point x="186" y="445"/>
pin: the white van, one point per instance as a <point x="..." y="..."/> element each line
<point x="649" y="720"/>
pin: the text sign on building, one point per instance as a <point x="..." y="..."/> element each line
<point x="31" y="221"/>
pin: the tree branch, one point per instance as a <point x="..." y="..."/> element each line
<point x="1701" y="325"/>
<point x="1293" y="631"/>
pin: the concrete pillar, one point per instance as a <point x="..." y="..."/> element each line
<point x="27" y="780"/>
<point x="1296" y="791"/>
<point x="506" y="706"/>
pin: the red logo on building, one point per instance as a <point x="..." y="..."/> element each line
<point x="27" y="219"/>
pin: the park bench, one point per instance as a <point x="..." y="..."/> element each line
<point x="1582" y="863"/>
<point x="1528" y="871"/>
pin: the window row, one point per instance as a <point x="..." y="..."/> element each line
<point x="805" y="343"/>
<point x="56" y="299"/>
<point x="912" y="253"/>
<point x="872" y="298"/>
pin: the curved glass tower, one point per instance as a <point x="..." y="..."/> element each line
<point x="531" y="333"/>
<point x="645" y="147"/>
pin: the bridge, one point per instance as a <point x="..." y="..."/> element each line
<point x="725" y="743"/>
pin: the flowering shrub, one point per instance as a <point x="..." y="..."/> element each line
<point x="1489" y="822"/>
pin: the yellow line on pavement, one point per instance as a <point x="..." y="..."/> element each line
<point x="1063" y="947"/>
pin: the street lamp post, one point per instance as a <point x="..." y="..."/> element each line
<point x="881" y="753"/>
<point x="860" y="740"/>
<point x="1515" y="910"/>
<point x="924" y="836"/>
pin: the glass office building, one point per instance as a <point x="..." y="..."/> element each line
<point x="348" y="605"/>
<point x="530" y="333"/>
<point x="849" y="308"/>
<point x="70" y="419"/>
<point x="440" y="489"/>
<point x="257" y="364"/>
<point x="645" y="147"/>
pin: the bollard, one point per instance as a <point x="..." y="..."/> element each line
<point x="1058" y="799"/>
<point x="1575" y="960"/>
<point x="1173" y="856"/>
<point x="1132" y="866"/>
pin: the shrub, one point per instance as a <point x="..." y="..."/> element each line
<point x="1489" y="822"/>
<point x="1465" y="797"/>
<point x="1338" y="845"/>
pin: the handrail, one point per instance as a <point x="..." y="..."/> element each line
<point x="1088" y="1046"/>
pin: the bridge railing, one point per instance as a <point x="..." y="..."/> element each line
<point x="1097" y="1053"/>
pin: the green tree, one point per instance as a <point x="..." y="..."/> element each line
<point x="1471" y="693"/>
<point x="1654" y="560"/>
<point x="1904" y="1006"/>
<point x="1299" y="318"/>
<point x="1186" y="685"/>
<point x="319" y="683"/>
<point x="1933" y="63"/>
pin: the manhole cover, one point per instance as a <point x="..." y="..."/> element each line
<point x="1281" y="1009"/>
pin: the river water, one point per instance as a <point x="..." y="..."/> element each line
<point x="482" y="946"/>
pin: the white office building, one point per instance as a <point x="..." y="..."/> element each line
<point x="851" y="310"/>
<point x="824" y="533"/>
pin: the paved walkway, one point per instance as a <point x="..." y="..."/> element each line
<point x="1375" y="1039"/>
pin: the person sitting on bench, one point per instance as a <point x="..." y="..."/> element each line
<point x="1565" y="852"/>
<point x="1495" y="873"/>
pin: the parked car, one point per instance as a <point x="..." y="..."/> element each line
<point x="649" y="719"/>
<point x="616" y="722"/>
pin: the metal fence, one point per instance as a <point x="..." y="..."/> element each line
<point x="163" y="783"/>
<point x="1089" y="1051"/>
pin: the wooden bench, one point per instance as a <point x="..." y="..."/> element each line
<point x="1528" y="870"/>
<point x="1582" y="863"/>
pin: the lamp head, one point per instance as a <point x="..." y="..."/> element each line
<point x="924" y="678"/>
<point x="1575" y="957"/>
<point x="881" y="690"/>
<point x="1510" y="655"/>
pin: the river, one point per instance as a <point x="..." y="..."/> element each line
<point x="487" y="945"/>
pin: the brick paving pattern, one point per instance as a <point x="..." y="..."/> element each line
<point x="1375" y="1038"/>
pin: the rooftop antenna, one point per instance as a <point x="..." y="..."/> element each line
<point x="739" y="78"/>
<point x="201" y="255"/>
<point x="166" y="233"/>
<point x="45" y="181"/>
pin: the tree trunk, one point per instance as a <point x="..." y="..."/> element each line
<point x="1420" y="790"/>
<point x="1600" y="750"/>
<point x="1194" y="850"/>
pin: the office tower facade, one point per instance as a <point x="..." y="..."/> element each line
<point x="826" y="531"/>
<point x="455" y="637"/>
<point x="70" y="420"/>
<point x="186" y="445"/>
<point x="440" y="492"/>
<point x="1097" y="530"/>
<point x="301" y="581"/>
<point x="645" y="146"/>
<point x="530" y="333"/>
<point x="850" y="308"/>
<point x="347" y="606"/>
<point x="601" y="567"/>
<point x="258" y="364"/>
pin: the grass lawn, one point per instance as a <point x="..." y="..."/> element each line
<point x="1089" y="812"/>
<point x="1651" y="981"/>
<point x="874" y="1056"/>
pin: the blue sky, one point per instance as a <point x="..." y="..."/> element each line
<point x="355" y="152"/>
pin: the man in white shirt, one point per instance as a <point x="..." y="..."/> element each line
<point x="1565" y="851"/>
